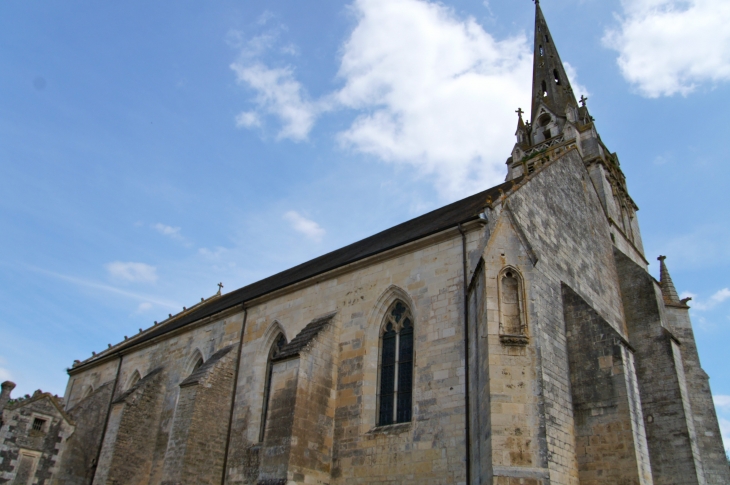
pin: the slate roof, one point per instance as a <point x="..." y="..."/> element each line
<point x="426" y="225"/>
<point x="304" y="337"/>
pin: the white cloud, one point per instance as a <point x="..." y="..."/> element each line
<point x="722" y="401"/>
<point x="670" y="47"/>
<point x="308" y="227"/>
<point x="432" y="92"/>
<point x="132" y="272"/>
<point x="572" y="73"/>
<point x="248" y="119"/>
<point x="165" y="230"/>
<point x="144" y="306"/>
<point x="438" y="92"/>
<point x="716" y="299"/>
<point x="725" y="431"/>
<point x="279" y="94"/>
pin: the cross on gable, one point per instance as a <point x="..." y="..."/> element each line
<point x="583" y="100"/>
<point x="519" y="112"/>
<point x="220" y="287"/>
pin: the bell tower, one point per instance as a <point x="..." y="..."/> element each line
<point x="558" y="123"/>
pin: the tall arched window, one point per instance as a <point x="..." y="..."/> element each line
<point x="279" y="342"/>
<point x="395" y="394"/>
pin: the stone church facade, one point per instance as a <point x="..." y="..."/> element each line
<point x="512" y="337"/>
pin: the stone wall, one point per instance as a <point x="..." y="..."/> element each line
<point x="77" y="464"/>
<point x="673" y="447"/>
<point x="27" y="454"/>
<point x="196" y="447"/>
<point x="610" y="438"/>
<point x="714" y="461"/>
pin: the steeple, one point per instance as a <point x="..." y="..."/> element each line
<point x="668" y="291"/>
<point x="550" y="83"/>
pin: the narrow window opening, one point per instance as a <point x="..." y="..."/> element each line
<point x="542" y="52"/>
<point x="544" y="89"/>
<point x="512" y="323"/>
<point x="273" y="353"/>
<point x="198" y="363"/>
<point x="396" y="367"/>
<point x="38" y="424"/>
<point x="547" y="134"/>
<point x="531" y="168"/>
<point x="547" y="39"/>
<point x="557" y="76"/>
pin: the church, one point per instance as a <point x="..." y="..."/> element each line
<point x="512" y="337"/>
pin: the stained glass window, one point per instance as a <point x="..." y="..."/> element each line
<point x="396" y="367"/>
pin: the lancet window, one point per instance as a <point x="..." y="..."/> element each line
<point x="395" y="399"/>
<point x="512" y="322"/>
<point x="274" y="352"/>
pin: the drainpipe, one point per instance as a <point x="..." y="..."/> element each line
<point x="95" y="463"/>
<point x="466" y="357"/>
<point x="233" y="398"/>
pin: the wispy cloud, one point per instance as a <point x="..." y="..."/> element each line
<point x="431" y="91"/>
<point x="278" y="93"/>
<point x="669" y="47"/>
<point x="132" y="272"/>
<point x="704" y="305"/>
<point x="305" y="226"/>
<point x="107" y="288"/>
<point x="165" y="230"/>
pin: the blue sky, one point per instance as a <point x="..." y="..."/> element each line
<point x="150" y="150"/>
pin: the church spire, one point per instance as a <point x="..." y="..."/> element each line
<point x="668" y="291"/>
<point x="550" y="83"/>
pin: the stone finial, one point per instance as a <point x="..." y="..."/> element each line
<point x="669" y="292"/>
<point x="7" y="387"/>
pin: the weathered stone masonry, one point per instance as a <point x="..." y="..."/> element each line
<point x="542" y="352"/>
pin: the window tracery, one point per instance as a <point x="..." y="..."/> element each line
<point x="395" y="391"/>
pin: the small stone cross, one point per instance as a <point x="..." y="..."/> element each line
<point x="519" y="112"/>
<point x="583" y="100"/>
<point x="220" y="287"/>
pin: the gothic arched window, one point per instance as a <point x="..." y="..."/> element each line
<point x="279" y="342"/>
<point x="134" y="379"/>
<point x="395" y="393"/>
<point x="512" y="323"/>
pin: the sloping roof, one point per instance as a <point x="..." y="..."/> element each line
<point x="304" y="337"/>
<point x="423" y="226"/>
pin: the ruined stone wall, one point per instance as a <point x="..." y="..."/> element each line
<point x="610" y="437"/>
<point x="673" y="447"/>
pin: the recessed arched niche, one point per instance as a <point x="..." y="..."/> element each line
<point x="512" y="317"/>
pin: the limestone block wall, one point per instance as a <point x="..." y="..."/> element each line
<point x="673" y="446"/>
<point x="130" y="436"/>
<point x="706" y="425"/>
<point x="427" y="276"/>
<point x="196" y="447"/>
<point x="77" y="464"/>
<point x="314" y="410"/>
<point x="611" y="442"/>
<point x="561" y="217"/>
<point x="512" y="441"/>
